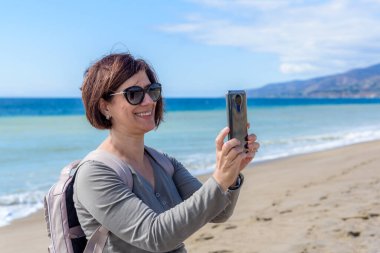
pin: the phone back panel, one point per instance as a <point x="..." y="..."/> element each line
<point x="237" y="115"/>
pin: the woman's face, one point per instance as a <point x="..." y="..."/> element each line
<point x="132" y="119"/>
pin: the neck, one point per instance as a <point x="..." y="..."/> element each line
<point x="128" y="147"/>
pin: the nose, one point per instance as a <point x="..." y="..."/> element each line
<point x="147" y="100"/>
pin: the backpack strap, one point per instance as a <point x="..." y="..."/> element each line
<point x="97" y="241"/>
<point x="161" y="159"/>
<point x="120" y="167"/>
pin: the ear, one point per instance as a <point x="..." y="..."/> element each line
<point x="103" y="104"/>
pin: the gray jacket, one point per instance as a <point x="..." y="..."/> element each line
<point x="145" y="219"/>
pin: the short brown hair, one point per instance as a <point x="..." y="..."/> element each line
<point x="104" y="77"/>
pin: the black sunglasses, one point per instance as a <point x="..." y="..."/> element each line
<point x="135" y="94"/>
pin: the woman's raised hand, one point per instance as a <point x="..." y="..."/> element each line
<point x="231" y="158"/>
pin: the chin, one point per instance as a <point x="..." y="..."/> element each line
<point x="149" y="127"/>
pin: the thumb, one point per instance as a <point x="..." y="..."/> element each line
<point x="219" y="141"/>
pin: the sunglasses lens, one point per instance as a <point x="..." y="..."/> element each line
<point x="154" y="91"/>
<point x="134" y="95"/>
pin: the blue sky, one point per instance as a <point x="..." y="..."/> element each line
<point x="199" y="48"/>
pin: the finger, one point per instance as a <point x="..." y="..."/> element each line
<point x="245" y="162"/>
<point x="253" y="146"/>
<point x="239" y="158"/>
<point x="250" y="156"/>
<point x="251" y="142"/>
<point x="228" y="145"/>
<point x="219" y="141"/>
<point x="234" y="152"/>
<point x="251" y="153"/>
<point x="249" y="146"/>
<point x="252" y="138"/>
<point x="237" y="162"/>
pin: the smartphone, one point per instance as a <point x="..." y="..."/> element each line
<point x="236" y="101"/>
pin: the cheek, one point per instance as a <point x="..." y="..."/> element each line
<point x="125" y="108"/>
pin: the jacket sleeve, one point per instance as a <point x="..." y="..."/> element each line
<point x="103" y="194"/>
<point x="187" y="185"/>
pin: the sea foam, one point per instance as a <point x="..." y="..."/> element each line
<point x="15" y="206"/>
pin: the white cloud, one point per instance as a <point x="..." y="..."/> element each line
<point x="289" y="68"/>
<point x="308" y="36"/>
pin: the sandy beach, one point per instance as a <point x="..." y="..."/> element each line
<point x="326" y="201"/>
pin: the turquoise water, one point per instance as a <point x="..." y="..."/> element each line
<point x="35" y="147"/>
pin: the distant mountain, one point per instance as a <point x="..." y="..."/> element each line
<point x="357" y="83"/>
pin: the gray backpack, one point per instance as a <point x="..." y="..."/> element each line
<point x="66" y="235"/>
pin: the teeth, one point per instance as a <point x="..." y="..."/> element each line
<point x="144" y="113"/>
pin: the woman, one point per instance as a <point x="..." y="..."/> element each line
<point x="121" y="94"/>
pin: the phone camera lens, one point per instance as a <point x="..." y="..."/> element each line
<point x="238" y="100"/>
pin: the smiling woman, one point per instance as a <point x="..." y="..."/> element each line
<point x="141" y="203"/>
<point x="106" y="78"/>
<point x="134" y="111"/>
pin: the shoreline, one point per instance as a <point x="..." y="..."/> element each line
<point x="287" y="204"/>
<point x="311" y="152"/>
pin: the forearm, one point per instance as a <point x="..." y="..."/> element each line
<point x="225" y="214"/>
<point x="233" y="194"/>
<point x="172" y="227"/>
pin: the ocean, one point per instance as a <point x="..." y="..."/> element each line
<point x="40" y="136"/>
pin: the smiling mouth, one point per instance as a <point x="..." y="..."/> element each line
<point x="143" y="114"/>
